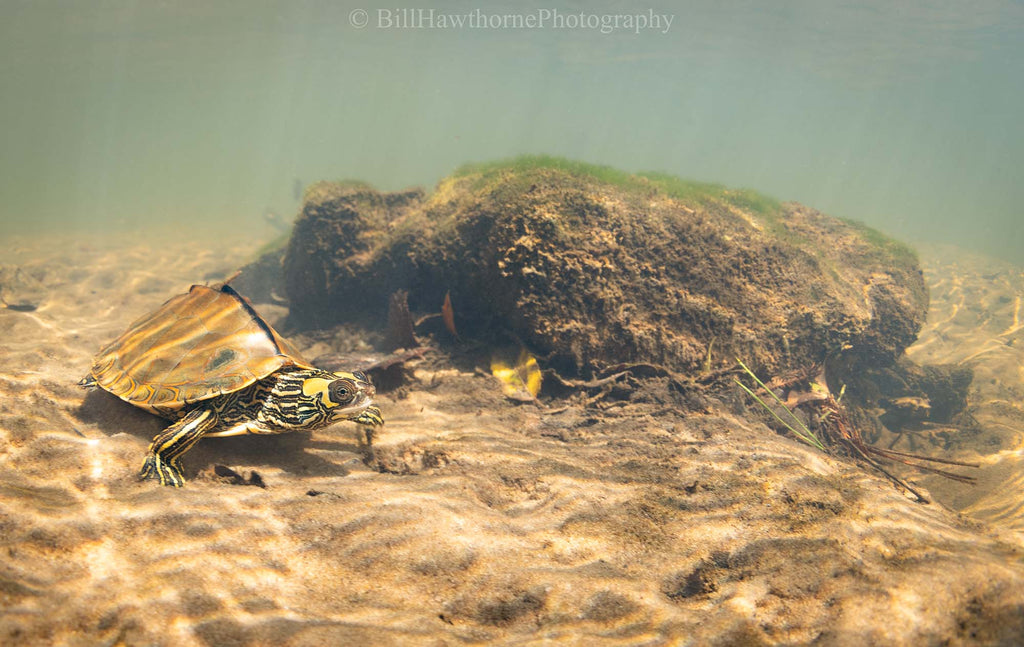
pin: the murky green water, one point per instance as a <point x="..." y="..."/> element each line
<point x="903" y="116"/>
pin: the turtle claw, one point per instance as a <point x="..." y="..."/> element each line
<point x="167" y="472"/>
<point x="370" y="416"/>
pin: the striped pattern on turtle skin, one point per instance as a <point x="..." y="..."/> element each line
<point x="280" y="403"/>
<point x="371" y="417"/>
<point x="297" y="399"/>
<point x="164" y="460"/>
<point x="207" y="361"/>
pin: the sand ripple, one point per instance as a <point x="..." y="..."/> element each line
<point x="975" y="320"/>
<point x="474" y="520"/>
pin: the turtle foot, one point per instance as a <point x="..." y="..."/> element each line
<point x="167" y="472"/>
<point x="371" y="416"/>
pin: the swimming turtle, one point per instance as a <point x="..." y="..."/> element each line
<point x="210" y="363"/>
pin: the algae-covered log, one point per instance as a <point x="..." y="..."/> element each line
<point x="591" y="266"/>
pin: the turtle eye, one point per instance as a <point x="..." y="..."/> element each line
<point x="341" y="391"/>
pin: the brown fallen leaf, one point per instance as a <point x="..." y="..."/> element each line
<point x="448" y="315"/>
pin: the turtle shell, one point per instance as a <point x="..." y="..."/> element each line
<point x="197" y="346"/>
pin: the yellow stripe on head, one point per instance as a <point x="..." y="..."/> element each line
<point x="314" y="385"/>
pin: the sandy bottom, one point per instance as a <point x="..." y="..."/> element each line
<point x="481" y="520"/>
<point x="976" y="320"/>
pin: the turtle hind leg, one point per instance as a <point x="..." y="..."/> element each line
<point x="164" y="460"/>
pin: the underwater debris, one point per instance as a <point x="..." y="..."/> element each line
<point x="707" y="358"/>
<point x="448" y="315"/>
<point x="520" y="381"/>
<point x="580" y="385"/>
<point x="232" y="477"/>
<point x="18" y="307"/>
<point x="625" y="382"/>
<point x="561" y="387"/>
<point x="834" y="424"/>
<point x="639" y="369"/>
<point x="797" y="427"/>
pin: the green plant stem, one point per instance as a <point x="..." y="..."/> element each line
<point x="803" y="433"/>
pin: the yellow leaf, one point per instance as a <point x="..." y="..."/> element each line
<point x="521" y="381"/>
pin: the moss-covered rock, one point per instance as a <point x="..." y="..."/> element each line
<point x="591" y="266"/>
<point x="337" y="237"/>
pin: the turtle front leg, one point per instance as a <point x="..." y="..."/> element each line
<point x="164" y="460"/>
<point x="370" y="416"/>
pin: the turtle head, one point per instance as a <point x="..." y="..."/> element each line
<point x="342" y="396"/>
